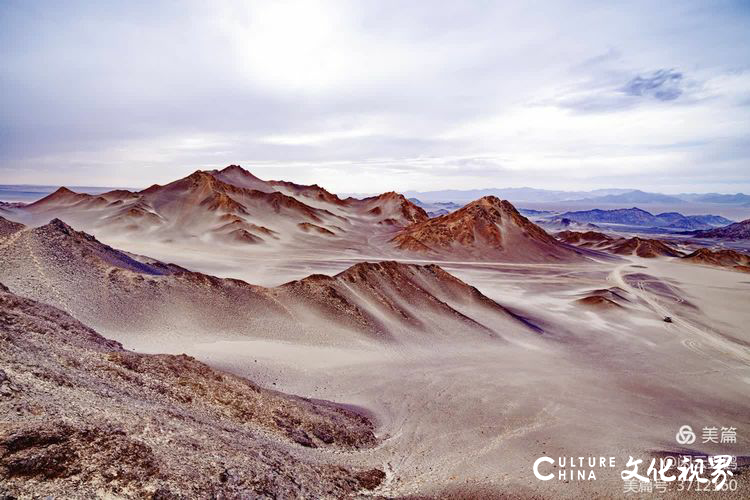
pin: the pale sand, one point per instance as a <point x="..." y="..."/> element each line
<point x="469" y="413"/>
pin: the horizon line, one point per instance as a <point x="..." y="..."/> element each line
<point x="371" y="193"/>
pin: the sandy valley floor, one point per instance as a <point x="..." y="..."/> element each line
<point x="472" y="416"/>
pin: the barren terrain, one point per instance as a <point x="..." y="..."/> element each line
<point x="469" y="371"/>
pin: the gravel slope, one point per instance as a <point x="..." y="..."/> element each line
<point x="82" y="417"/>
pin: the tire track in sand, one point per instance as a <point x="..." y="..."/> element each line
<point x="705" y="336"/>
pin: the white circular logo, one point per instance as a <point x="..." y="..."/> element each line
<point x="685" y="435"/>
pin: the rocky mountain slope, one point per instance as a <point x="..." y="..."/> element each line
<point x="720" y="258"/>
<point x="117" y="292"/>
<point x="8" y="227"/>
<point x="488" y="228"/>
<point x="399" y="301"/>
<point x="229" y="206"/>
<point x="84" y="418"/>
<point x="392" y="209"/>
<point x="588" y="239"/>
<point x="641" y="247"/>
<point x="649" y="248"/>
<point x="736" y="231"/>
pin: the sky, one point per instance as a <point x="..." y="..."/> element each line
<point x="379" y="95"/>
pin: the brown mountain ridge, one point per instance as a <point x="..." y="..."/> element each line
<point x="192" y="209"/>
<point x="125" y="294"/>
<point x="486" y="228"/>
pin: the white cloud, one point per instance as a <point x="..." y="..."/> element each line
<point x="365" y="96"/>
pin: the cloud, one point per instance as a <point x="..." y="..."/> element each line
<point x="604" y="91"/>
<point x="663" y="85"/>
<point x="451" y="93"/>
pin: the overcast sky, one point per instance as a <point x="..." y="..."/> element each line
<point x="378" y="95"/>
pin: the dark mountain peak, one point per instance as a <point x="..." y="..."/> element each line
<point x="61" y="226"/>
<point x="493" y="210"/>
<point x="152" y="188"/>
<point x="57" y="228"/>
<point x="8" y="227"/>
<point x="494" y="201"/>
<point x="57" y="225"/>
<point x="644" y="247"/>
<point x="385" y="203"/>
<point x="61" y="195"/>
<point x="407" y="297"/>
<point x="119" y="195"/>
<point x="63" y="190"/>
<point x="78" y="248"/>
<point x="200" y="181"/>
<point x="236" y="169"/>
<point x="219" y="201"/>
<point x="201" y="176"/>
<point x="701" y="252"/>
<point x="313" y="191"/>
<point x="391" y="195"/>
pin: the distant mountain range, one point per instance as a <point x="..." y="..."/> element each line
<point x="511" y="194"/>
<point x="734" y="199"/>
<point x="233" y="208"/>
<point x="639" y="217"/>
<point x="605" y="196"/>
<point x="430" y="199"/>
<point x="635" y="197"/>
<point x="437" y="208"/>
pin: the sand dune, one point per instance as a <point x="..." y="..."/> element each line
<point x="159" y="303"/>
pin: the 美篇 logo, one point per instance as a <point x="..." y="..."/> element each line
<point x="685" y="435"/>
